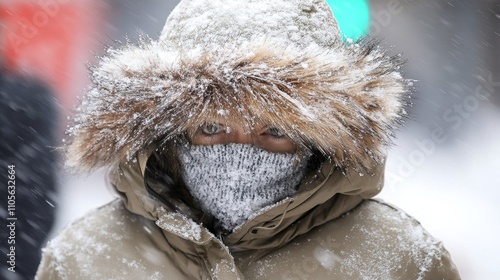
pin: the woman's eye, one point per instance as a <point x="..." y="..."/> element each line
<point x="273" y="131"/>
<point x="212" y="128"/>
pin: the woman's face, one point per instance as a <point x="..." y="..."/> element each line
<point x="268" y="138"/>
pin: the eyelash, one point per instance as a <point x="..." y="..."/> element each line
<point x="217" y="126"/>
<point x="275" y="132"/>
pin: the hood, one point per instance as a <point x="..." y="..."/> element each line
<point x="281" y="63"/>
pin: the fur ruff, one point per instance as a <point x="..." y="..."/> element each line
<point x="344" y="101"/>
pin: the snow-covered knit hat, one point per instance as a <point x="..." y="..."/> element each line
<point x="281" y="63"/>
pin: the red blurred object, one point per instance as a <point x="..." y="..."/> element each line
<point x="50" y="40"/>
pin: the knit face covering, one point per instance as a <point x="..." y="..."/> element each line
<point x="233" y="181"/>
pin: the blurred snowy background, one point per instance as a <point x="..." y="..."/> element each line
<point x="444" y="169"/>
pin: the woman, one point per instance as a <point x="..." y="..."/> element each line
<point x="245" y="144"/>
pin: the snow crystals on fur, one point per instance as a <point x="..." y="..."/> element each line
<point x="218" y="61"/>
<point x="343" y="102"/>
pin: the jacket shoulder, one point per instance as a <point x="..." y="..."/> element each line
<point x="108" y="243"/>
<point x="372" y="241"/>
<point x="385" y="236"/>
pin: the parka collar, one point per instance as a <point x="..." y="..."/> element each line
<point x="322" y="197"/>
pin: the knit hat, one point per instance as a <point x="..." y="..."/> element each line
<point x="281" y="63"/>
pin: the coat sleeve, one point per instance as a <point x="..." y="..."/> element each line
<point x="49" y="267"/>
<point x="426" y="257"/>
<point x="109" y="243"/>
<point x="442" y="267"/>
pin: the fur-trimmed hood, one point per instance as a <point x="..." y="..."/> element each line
<point x="280" y="63"/>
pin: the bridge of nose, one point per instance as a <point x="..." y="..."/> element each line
<point x="241" y="137"/>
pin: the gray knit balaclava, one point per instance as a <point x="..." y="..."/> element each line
<point x="233" y="181"/>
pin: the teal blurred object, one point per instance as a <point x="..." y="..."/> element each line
<point x="353" y="17"/>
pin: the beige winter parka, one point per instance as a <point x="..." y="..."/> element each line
<point x="280" y="63"/>
<point x="327" y="231"/>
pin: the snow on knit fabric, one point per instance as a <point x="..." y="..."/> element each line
<point x="233" y="181"/>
